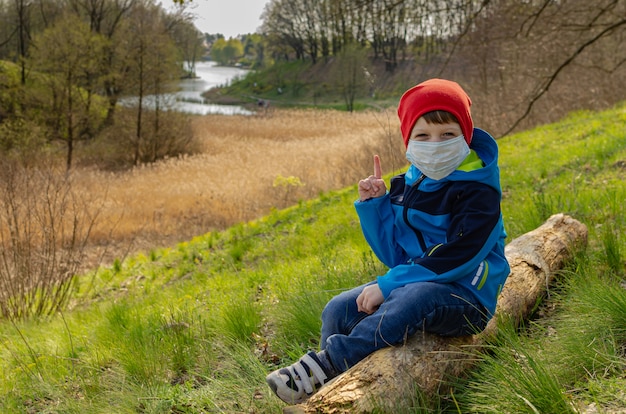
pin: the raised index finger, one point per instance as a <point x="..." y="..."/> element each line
<point x="377" y="170"/>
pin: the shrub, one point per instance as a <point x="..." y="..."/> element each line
<point x="44" y="227"/>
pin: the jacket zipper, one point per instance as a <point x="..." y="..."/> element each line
<point x="408" y="191"/>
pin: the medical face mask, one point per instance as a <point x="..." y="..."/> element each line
<point x="437" y="159"/>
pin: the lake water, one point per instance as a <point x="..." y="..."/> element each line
<point x="209" y="74"/>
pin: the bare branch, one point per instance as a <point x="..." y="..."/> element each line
<point x="466" y="30"/>
<point x="535" y="17"/>
<point x="566" y="63"/>
<point x="9" y="38"/>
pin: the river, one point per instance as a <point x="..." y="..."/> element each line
<point x="209" y="74"/>
<point x="189" y="98"/>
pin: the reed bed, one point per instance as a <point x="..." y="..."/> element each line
<point x="248" y="165"/>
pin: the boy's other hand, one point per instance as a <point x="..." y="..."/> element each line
<point x="373" y="186"/>
<point x="370" y="299"/>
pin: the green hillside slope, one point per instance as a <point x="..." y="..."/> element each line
<point x="194" y="328"/>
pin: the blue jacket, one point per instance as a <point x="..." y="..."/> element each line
<point x="446" y="231"/>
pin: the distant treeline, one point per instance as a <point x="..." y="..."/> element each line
<point x="392" y="29"/>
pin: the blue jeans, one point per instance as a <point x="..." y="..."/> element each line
<point x="446" y="309"/>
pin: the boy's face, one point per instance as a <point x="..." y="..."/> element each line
<point x="425" y="132"/>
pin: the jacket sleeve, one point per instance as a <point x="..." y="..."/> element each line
<point x="377" y="222"/>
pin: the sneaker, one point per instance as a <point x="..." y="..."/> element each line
<point x="297" y="382"/>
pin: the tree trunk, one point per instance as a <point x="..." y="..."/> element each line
<point x="425" y="361"/>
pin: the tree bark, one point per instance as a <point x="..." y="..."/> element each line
<point x="425" y="362"/>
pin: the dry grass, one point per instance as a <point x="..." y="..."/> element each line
<point x="233" y="179"/>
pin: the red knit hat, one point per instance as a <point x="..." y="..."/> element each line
<point x="435" y="95"/>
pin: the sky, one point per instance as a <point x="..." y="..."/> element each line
<point x="228" y="17"/>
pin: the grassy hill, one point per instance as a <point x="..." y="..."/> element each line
<point x="195" y="327"/>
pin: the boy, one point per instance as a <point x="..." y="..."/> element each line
<point x="439" y="230"/>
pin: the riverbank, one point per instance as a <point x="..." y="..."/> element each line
<point x="302" y="85"/>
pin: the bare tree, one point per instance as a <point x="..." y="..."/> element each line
<point x="22" y="33"/>
<point x="189" y="41"/>
<point x="349" y="74"/>
<point x="388" y="30"/>
<point x="533" y="62"/>
<point x="600" y="22"/>
<point x="281" y="23"/>
<point x="154" y="65"/>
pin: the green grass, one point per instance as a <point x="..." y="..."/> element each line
<point x="195" y="327"/>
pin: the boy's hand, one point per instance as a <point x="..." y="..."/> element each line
<point x="373" y="186"/>
<point x="370" y="299"/>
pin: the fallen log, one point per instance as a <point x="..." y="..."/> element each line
<point x="425" y="361"/>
